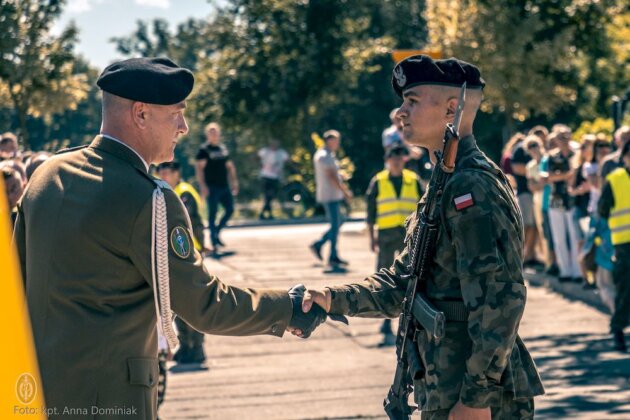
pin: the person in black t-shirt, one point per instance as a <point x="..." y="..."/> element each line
<point x="217" y="179"/>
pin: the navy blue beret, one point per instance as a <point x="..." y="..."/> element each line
<point x="149" y="80"/>
<point x="423" y="70"/>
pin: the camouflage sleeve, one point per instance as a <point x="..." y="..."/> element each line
<point x="483" y="222"/>
<point x="379" y="295"/>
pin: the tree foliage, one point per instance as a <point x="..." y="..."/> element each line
<point x="37" y="69"/>
<point x="539" y="57"/>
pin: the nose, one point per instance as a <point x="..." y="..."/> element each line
<point x="183" y="126"/>
<point x="402" y="111"/>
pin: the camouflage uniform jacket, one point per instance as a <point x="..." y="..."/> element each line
<point x="478" y="260"/>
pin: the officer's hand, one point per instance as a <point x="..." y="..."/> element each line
<point x="304" y="321"/>
<point x="462" y="412"/>
<point x="235" y="190"/>
<point x="204" y="191"/>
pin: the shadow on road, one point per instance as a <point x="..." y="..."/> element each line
<point x="582" y="375"/>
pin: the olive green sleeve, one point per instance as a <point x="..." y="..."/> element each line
<point x="201" y="299"/>
<point x="487" y="237"/>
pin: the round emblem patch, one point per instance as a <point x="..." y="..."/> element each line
<point x="180" y="242"/>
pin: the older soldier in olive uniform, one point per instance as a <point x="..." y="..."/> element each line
<point x="481" y="368"/>
<point x="100" y="240"/>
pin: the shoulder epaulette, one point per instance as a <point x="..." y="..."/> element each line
<point x="71" y="149"/>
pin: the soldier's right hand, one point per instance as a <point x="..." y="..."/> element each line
<point x="306" y="316"/>
<point x="304" y="322"/>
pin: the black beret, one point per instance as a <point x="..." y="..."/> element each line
<point x="396" y="149"/>
<point x="423" y="70"/>
<point x="149" y="80"/>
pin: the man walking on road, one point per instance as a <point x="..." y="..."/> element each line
<point x="331" y="191"/>
<point x="480" y="369"/>
<point x="216" y="175"/>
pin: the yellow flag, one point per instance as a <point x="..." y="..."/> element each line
<point x="20" y="383"/>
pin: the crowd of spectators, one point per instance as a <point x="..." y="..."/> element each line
<point x="558" y="181"/>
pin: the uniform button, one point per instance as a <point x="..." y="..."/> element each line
<point x="274" y="328"/>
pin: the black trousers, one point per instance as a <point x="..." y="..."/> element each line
<point x="621" y="278"/>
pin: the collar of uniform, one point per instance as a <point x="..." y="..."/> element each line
<point x="466" y="144"/>
<point x="121" y="150"/>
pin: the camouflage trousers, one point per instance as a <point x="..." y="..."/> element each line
<point x="510" y="409"/>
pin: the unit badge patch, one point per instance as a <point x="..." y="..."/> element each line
<point x="180" y="242"/>
<point x="463" y="202"/>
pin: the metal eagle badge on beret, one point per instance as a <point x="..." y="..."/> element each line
<point x="400" y="77"/>
<point x="180" y="242"/>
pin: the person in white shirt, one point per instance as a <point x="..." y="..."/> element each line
<point x="272" y="159"/>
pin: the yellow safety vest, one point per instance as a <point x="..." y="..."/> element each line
<point x="391" y="211"/>
<point x="184" y="187"/>
<point x="619" y="219"/>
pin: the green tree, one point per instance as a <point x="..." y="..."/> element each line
<point x="285" y="69"/>
<point x="548" y="57"/>
<point x="37" y="72"/>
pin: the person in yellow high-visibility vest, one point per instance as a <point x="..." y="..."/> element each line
<point x="614" y="205"/>
<point x="190" y="340"/>
<point x="391" y="197"/>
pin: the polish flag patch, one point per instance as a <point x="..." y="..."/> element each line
<point x="463" y="202"/>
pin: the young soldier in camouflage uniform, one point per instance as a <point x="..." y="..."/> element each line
<point x="481" y="368"/>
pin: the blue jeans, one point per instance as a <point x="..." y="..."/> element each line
<point x="216" y="196"/>
<point x="333" y="213"/>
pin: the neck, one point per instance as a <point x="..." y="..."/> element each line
<point x="131" y="141"/>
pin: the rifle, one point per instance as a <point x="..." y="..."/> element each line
<point x="417" y="309"/>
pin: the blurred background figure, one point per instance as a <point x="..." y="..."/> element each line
<point x="34" y="161"/>
<point x="559" y="174"/>
<point x="525" y="199"/>
<point x="272" y="159"/>
<point x="614" y="205"/>
<point x="331" y="191"/>
<point x="535" y="148"/>
<point x="218" y="182"/>
<point x="190" y="340"/>
<point x="613" y="160"/>
<point x="506" y="156"/>
<point x="9" y="146"/>
<point x="392" y="134"/>
<point x="392" y="196"/>
<point x="14" y="187"/>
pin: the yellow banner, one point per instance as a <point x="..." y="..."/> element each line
<point x="400" y="55"/>
<point x="21" y="394"/>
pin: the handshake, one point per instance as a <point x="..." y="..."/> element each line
<point x="309" y="311"/>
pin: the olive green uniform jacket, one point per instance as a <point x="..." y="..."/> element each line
<point x="84" y="239"/>
<point x="478" y="261"/>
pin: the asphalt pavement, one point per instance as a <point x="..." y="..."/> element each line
<point x="340" y="373"/>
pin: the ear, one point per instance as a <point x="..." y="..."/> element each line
<point x="451" y="108"/>
<point x="139" y="114"/>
